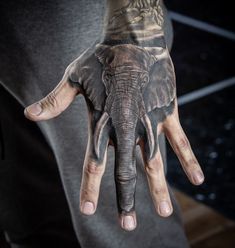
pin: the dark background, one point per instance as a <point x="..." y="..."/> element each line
<point x="202" y="58"/>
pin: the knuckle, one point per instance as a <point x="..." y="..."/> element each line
<point x="126" y="205"/>
<point x="92" y="168"/>
<point x="89" y="189"/>
<point x="192" y="163"/>
<point x="154" y="166"/>
<point x="160" y="191"/>
<point x="125" y="177"/>
<point x="50" y="102"/>
<point x="182" y="143"/>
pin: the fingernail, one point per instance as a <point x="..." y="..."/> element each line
<point x="164" y="208"/>
<point x="88" y="208"/>
<point x="128" y="222"/>
<point x="198" y="177"/>
<point x="35" y="109"/>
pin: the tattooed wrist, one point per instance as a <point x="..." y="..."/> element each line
<point x="135" y="20"/>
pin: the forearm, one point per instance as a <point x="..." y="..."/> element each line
<point x="139" y="20"/>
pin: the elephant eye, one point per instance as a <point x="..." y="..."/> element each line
<point x="108" y="75"/>
<point x="144" y="79"/>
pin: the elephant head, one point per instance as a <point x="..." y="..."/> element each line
<point x="126" y="82"/>
<point x="124" y="86"/>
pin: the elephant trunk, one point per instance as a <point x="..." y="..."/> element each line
<point x="124" y="117"/>
<point x="125" y="169"/>
<point x="125" y="135"/>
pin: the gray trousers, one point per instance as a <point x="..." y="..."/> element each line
<point x="37" y="41"/>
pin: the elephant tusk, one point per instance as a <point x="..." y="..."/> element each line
<point x="148" y="126"/>
<point x="99" y="131"/>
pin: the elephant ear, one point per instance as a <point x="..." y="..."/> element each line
<point x="161" y="89"/>
<point x="86" y="71"/>
<point x="103" y="53"/>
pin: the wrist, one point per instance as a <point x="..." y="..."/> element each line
<point x="139" y="20"/>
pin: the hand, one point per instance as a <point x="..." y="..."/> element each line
<point x="131" y="96"/>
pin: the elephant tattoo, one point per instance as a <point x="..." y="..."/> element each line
<point x="128" y="81"/>
<point x="129" y="90"/>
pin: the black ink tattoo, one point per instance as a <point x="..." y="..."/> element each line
<point x="129" y="88"/>
<point x="141" y="20"/>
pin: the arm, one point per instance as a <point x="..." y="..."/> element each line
<point x="128" y="81"/>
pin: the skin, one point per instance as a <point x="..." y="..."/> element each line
<point x="128" y="82"/>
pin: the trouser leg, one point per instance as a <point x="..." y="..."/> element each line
<point x="33" y="208"/>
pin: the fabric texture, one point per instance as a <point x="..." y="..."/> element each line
<point x="38" y="39"/>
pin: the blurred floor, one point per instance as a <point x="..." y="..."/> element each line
<point x="204" y="227"/>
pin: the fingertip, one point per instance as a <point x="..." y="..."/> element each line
<point x="166" y="215"/>
<point x="33" y="111"/>
<point x="165" y="209"/>
<point x="198" y="177"/>
<point x="88" y="208"/>
<point x="128" y="221"/>
<point x="26" y="113"/>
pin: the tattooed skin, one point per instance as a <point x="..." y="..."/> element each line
<point x="142" y="19"/>
<point x="128" y="81"/>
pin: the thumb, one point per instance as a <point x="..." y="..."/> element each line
<point x="53" y="104"/>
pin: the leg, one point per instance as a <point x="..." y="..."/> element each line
<point x="33" y="208"/>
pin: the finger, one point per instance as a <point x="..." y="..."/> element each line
<point x="94" y="164"/>
<point x="93" y="171"/>
<point x="125" y="179"/>
<point x="183" y="150"/>
<point x="154" y="169"/>
<point x="53" y="104"/>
